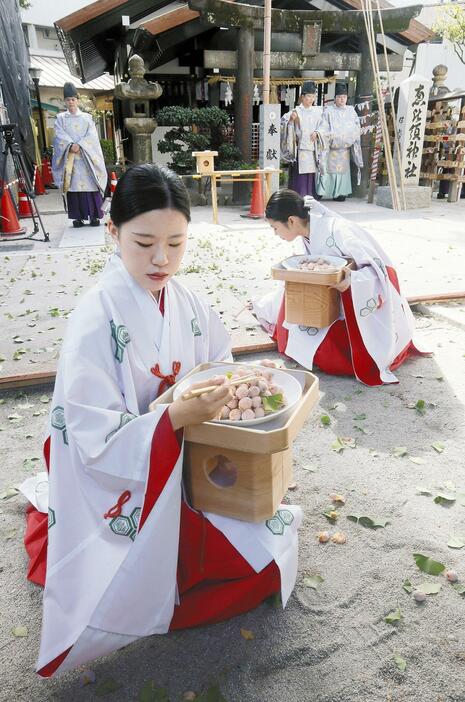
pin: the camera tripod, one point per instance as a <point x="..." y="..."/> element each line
<point x="13" y="149"/>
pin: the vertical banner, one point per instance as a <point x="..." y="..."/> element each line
<point x="270" y="155"/>
<point x="411" y="119"/>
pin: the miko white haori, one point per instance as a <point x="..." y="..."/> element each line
<point x="122" y="543"/>
<point x="373" y="334"/>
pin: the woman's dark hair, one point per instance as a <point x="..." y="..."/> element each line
<point x="284" y="204"/>
<point x="148" y="187"/>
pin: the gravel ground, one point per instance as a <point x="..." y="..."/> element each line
<point x="331" y="644"/>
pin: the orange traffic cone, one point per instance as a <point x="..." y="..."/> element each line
<point x="113" y="182"/>
<point x="47" y="175"/>
<point x="9" y="223"/>
<point x="38" y="183"/>
<point x="25" y="209"/>
<point x="257" y="205"/>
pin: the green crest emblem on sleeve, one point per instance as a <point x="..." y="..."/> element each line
<point x="51" y="518"/>
<point x="195" y="327"/>
<point x="280" y="521"/>
<point x="58" y="422"/>
<point x="120" y="336"/>
<point x="125" y="418"/>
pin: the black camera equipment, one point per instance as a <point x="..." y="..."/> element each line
<point x="12" y="148"/>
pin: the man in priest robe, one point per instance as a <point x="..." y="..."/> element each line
<point x="301" y="142"/>
<point x="341" y="128"/>
<point x="78" y="165"/>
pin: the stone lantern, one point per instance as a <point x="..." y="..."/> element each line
<point x="139" y="92"/>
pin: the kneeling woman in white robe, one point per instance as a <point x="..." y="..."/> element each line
<point x="373" y="334"/>
<point x="127" y="556"/>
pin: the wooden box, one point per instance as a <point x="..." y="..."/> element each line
<point x="308" y="299"/>
<point x="249" y="482"/>
<point x="205" y="161"/>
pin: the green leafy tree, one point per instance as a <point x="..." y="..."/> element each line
<point x="450" y="25"/>
<point x="196" y="130"/>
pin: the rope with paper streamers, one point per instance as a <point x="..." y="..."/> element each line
<point x="274" y="81"/>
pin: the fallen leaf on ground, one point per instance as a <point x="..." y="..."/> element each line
<point x="15" y="418"/>
<point x="460" y="588"/>
<point x="438" y="446"/>
<point x="311" y="468"/>
<point x="400" y="662"/>
<point x="325" y="420"/>
<point x="106" y="687"/>
<point x="343" y="442"/>
<point x="407" y="586"/>
<point x="394" y="616"/>
<point x="429" y="588"/>
<point x="247" y="634"/>
<point x="359" y="417"/>
<point x="20" y="631"/>
<point x="456" y="542"/>
<point x="444" y="498"/>
<point x="399" y="451"/>
<point x="87" y="678"/>
<point x="337" y="446"/>
<point x="370" y="522"/>
<point x="313" y="581"/>
<point x="428" y="565"/>
<point x="420" y="406"/>
<point x="213" y="694"/>
<point x="332" y="515"/>
<point x="417" y="460"/>
<point x="9" y="493"/>
<point x="339" y="538"/>
<point x="424" y="490"/>
<point x="151" y="692"/>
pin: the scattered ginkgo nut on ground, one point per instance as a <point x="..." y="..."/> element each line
<point x="419" y="596"/>
<point x="339" y="538"/>
<point x="452" y="576"/>
<point x="323" y="537"/>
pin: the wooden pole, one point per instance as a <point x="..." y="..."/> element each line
<point x="266" y="52"/>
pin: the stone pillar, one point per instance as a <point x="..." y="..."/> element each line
<point x="411" y="119"/>
<point x="365" y="80"/>
<point x="243" y="105"/>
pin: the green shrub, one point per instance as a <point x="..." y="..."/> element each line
<point x="108" y="149"/>
<point x="209" y="123"/>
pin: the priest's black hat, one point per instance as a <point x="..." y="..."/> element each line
<point x="69" y="90"/>
<point x="341" y="89"/>
<point x="309" y="87"/>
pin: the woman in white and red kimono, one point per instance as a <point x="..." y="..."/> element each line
<point x="373" y="334"/>
<point x="125" y="556"/>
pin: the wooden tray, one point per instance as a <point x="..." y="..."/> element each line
<point x="243" y="472"/>
<point x="270" y="437"/>
<point x="309" y="301"/>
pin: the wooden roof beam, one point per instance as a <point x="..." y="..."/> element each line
<point x="169" y="20"/>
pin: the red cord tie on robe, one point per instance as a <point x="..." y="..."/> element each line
<point x="116" y="510"/>
<point x="167" y="380"/>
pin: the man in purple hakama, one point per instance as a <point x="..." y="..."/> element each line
<point x="302" y="142"/>
<point x="78" y="166"/>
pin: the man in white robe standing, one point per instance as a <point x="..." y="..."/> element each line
<point x="302" y="141"/>
<point x="341" y="128"/>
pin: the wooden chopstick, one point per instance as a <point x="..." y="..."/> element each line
<point x="209" y="388"/>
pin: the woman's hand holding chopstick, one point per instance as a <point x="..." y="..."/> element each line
<point x="200" y="408"/>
